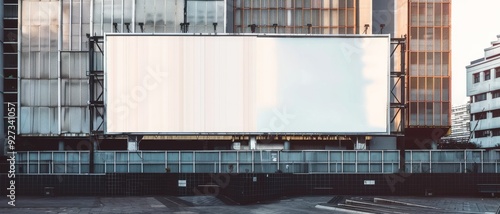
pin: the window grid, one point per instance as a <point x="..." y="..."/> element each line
<point x="325" y="161"/>
<point x="480" y="116"/>
<point x="487" y="75"/>
<point x="476" y="77"/>
<point x="293" y="17"/>
<point x="495" y="113"/>
<point x="429" y="63"/>
<point x="495" y="94"/>
<point x="479" y="97"/>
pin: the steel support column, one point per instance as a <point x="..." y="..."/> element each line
<point x="96" y="95"/>
<point x="398" y="102"/>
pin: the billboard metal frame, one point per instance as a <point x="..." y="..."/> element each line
<point x="397" y="91"/>
<point x="97" y="112"/>
<point x="96" y="86"/>
<point x="390" y="88"/>
<point x="399" y="103"/>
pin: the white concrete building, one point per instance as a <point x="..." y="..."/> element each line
<point x="483" y="87"/>
<point x="460" y="123"/>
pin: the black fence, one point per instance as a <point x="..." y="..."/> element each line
<point x="252" y="187"/>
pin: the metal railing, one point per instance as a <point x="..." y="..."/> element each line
<point x="452" y="161"/>
<point x="260" y="161"/>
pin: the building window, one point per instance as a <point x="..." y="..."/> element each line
<point x="10" y="60"/>
<point x="10" y="11"/>
<point x="495" y="113"/>
<point x="482" y="133"/>
<point x="479" y="97"/>
<point x="480" y="116"/>
<point x="495" y="132"/>
<point x="495" y="94"/>
<point x="487" y="75"/>
<point x="476" y="77"/>
<point x="497" y="72"/>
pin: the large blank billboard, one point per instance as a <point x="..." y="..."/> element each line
<point x="248" y="84"/>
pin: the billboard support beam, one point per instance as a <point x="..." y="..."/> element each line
<point x="398" y="89"/>
<point x="398" y="97"/>
<point x="96" y="95"/>
<point x="96" y="86"/>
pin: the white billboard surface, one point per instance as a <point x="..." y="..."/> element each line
<point x="185" y="84"/>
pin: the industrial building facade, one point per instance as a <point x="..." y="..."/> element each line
<point x="46" y="65"/>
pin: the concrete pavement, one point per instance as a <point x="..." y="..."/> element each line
<point x="210" y="204"/>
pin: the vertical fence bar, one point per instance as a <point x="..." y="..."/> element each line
<point x="114" y="161"/>
<point x="342" y="162"/>
<point x="465" y="162"/>
<point x="383" y="163"/>
<point x="79" y="162"/>
<point x="482" y="162"/>
<point x="51" y="163"/>
<point x="105" y="165"/>
<point x="411" y="161"/>
<point x="66" y="162"/>
<point x="430" y="162"/>
<point x="38" y="162"/>
<point x="237" y="161"/>
<point x="329" y="161"/>
<point x="399" y="161"/>
<point x="278" y="160"/>
<point x="356" y="162"/>
<point x="28" y="157"/>
<point x="166" y="160"/>
<point x="220" y="161"/>
<point x="253" y="161"/>
<point x="142" y="162"/>
<point x="369" y="162"/>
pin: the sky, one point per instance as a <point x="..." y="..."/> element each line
<point x="475" y="24"/>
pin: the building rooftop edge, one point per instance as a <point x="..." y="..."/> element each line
<point x="486" y="58"/>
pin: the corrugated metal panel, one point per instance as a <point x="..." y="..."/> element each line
<point x="38" y="92"/>
<point x="74" y="92"/>
<point x="39" y="72"/>
<point x="74" y="65"/>
<point x="39" y="67"/>
<point x="201" y="15"/>
<point x="38" y="120"/>
<point x="75" y="120"/>
<point x="173" y="21"/>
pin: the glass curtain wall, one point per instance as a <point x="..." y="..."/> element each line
<point x="295" y="16"/>
<point x="54" y="51"/>
<point x="156" y="16"/>
<point x="429" y="63"/>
